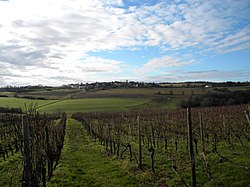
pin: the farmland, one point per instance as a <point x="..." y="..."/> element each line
<point x="19" y="103"/>
<point x="75" y="105"/>
<point x="98" y="121"/>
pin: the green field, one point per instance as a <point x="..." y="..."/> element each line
<point x="20" y="103"/>
<point x="92" y="105"/>
<point x="59" y="93"/>
<point x="122" y="99"/>
<point x="76" y="105"/>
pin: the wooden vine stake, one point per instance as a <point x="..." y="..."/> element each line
<point x="27" y="165"/>
<point x="140" y="146"/>
<point x="247" y="113"/>
<point x="191" y="149"/>
<point x="202" y="133"/>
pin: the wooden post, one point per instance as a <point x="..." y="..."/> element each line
<point x="191" y="149"/>
<point x="202" y="133"/>
<point x="152" y="153"/>
<point x="153" y="134"/>
<point x="118" y="149"/>
<point x="109" y="139"/>
<point x="49" y="154"/>
<point x="140" y="146"/>
<point x="27" y="165"/>
<point x="130" y="151"/>
<point x="247" y="113"/>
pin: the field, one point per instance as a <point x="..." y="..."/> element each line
<point x="144" y="92"/>
<point x="76" y="105"/>
<point x="92" y="105"/>
<point x="50" y="93"/>
<point x="20" y="102"/>
<point x="87" y="162"/>
<point x="60" y="93"/>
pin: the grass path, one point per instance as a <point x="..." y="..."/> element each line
<point x="83" y="164"/>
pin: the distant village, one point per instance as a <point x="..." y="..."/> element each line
<point x="115" y="84"/>
<point x="135" y="84"/>
<point x="125" y="84"/>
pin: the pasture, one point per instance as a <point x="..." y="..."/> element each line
<point x="75" y="105"/>
<point x="20" y="102"/>
<point x="92" y="105"/>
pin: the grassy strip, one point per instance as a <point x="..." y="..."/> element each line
<point x="83" y="164"/>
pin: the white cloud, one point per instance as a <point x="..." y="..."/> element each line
<point x="82" y="71"/>
<point x="51" y="37"/>
<point x="163" y="62"/>
<point x="234" y="42"/>
<point x="197" y="24"/>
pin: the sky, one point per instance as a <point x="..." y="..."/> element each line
<point x="56" y="42"/>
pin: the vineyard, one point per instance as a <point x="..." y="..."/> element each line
<point x="38" y="137"/>
<point x="181" y="147"/>
<point x="191" y="144"/>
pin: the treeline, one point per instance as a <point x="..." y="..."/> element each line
<point x="23" y="88"/>
<point x="218" y="99"/>
<point x="3" y="95"/>
<point x="229" y="84"/>
<point x="30" y="97"/>
<point x="197" y="84"/>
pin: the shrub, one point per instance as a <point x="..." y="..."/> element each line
<point x="217" y="99"/>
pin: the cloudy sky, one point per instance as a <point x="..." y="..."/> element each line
<point x="57" y="42"/>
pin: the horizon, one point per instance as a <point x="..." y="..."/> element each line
<point x="60" y="42"/>
<point x="131" y="81"/>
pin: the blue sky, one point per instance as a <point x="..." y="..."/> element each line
<point x="68" y="41"/>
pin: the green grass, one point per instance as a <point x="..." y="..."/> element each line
<point x="11" y="170"/>
<point x="19" y="102"/>
<point x="83" y="163"/>
<point x="9" y="94"/>
<point x="75" y="105"/>
<point x="91" y="105"/>
<point x="235" y="170"/>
